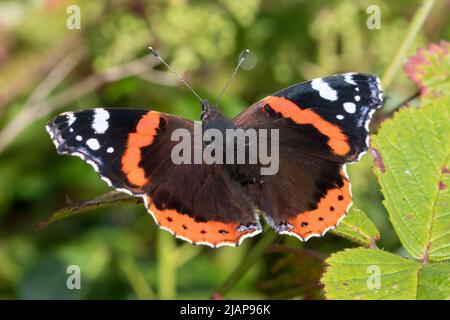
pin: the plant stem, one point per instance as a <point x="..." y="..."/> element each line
<point x="136" y="278"/>
<point x="260" y="247"/>
<point x="166" y="266"/>
<point x="185" y="253"/>
<point x="417" y="23"/>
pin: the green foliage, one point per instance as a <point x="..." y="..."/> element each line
<point x="429" y="70"/>
<point x="352" y="274"/>
<point x="94" y="252"/>
<point x="210" y="30"/>
<point x="376" y="274"/>
<point x="357" y="227"/>
<point x="118" y="40"/>
<point x="120" y="250"/>
<point x="284" y="281"/>
<point x="415" y="152"/>
<point x="413" y="156"/>
<point x="107" y="199"/>
<point x="434" y="282"/>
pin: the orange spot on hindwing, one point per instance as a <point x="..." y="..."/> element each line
<point x="212" y="233"/>
<point x="337" y="140"/>
<point x="146" y="130"/>
<point x="330" y="210"/>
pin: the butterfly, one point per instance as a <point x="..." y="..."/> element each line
<point x="322" y="126"/>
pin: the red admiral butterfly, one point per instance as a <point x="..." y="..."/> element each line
<point x="323" y="125"/>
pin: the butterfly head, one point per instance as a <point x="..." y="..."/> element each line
<point x="212" y="118"/>
<point x="208" y="111"/>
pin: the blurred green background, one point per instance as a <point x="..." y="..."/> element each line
<point x="46" y="68"/>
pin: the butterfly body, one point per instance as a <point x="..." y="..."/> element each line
<point x="318" y="126"/>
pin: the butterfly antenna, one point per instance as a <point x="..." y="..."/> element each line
<point x="174" y="72"/>
<point x="227" y="84"/>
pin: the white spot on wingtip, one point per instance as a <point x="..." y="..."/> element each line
<point x="348" y="78"/>
<point x="93" y="144"/>
<point x="325" y="91"/>
<point x="100" y="122"/>
<point x="357" y="98"/>
<point x="350" y="107"/>
<point x="110" y="150"/>
<point x="79" y="138"/>
<point x="340" y="117"/>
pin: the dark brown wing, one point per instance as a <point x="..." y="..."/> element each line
<point x="322" y="125"/>
<point x="307" y="196"/>
<point x="326" y="117"/>
<point x="131" y="150"/>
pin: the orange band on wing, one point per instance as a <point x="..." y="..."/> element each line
<point x="337" y="140"/>
<point x="330" y="210"/>
<point x="146" y="130"/>
<point x="213" y="233"/>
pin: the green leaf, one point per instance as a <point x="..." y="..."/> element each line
<point x="375" y="274"/>
<point x="429" y="70"/>
<point x="413" y="171"/>
<point x="434" y="282"/>
<point x="104" y="200"/>
<point x="369" y="274"/>
<point x="357" y="227"/>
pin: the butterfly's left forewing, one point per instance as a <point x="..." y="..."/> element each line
<point x="111" y="140"/>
